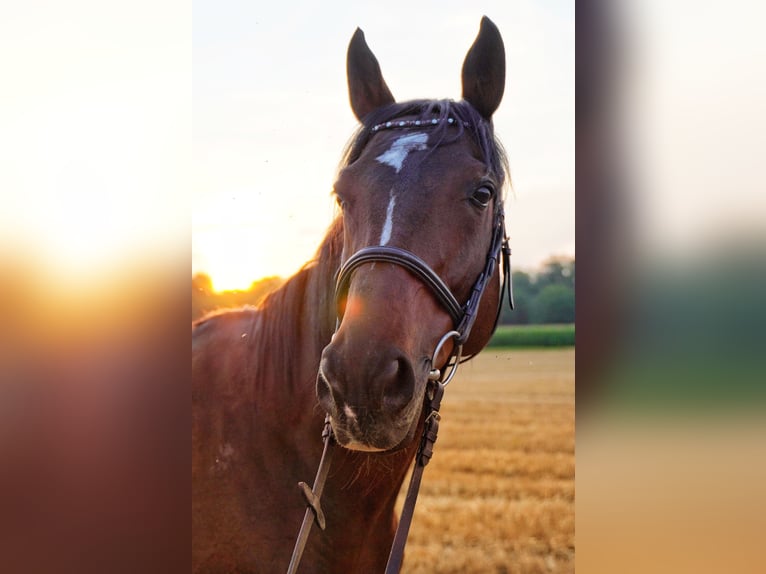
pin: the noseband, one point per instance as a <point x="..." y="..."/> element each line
<point x="463" y="316"/>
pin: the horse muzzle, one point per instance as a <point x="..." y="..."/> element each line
<point x="374" y="403"/>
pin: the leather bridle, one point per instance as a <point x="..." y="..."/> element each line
<point x="463" y="317"/>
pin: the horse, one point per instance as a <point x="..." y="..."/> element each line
<point x="350" y="338"/>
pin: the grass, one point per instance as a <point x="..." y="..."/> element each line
<point x="534" y="336"/>
<point x="498" y="495"/>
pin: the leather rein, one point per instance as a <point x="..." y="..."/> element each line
<point x="463" y="317"/>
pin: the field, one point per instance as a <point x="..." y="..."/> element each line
<point x="498" y="496"/>
<point x="534" y="336"/>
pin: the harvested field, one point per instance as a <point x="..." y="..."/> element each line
<point x="499" y="493"/>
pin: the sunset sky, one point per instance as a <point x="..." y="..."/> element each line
<point x="119" y="121"/>
<point x="271" y="117"/>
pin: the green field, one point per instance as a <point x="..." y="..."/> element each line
<point x="534" y="336"/>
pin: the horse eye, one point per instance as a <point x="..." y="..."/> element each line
<point x="482" y="196"/>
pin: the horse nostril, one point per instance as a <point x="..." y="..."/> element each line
<point x="328" y="386"/>
<point x="398" y="382"/>
<point x="387" y="383"/>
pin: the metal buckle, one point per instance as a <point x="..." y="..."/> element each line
<point x="436" y="374"/>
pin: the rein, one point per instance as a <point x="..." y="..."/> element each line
<point x="463" y="317"/>
<point x="312" y="496"/>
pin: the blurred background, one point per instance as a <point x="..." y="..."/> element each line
<point x="671" y="384"/>
<point x="95" y="172"/>
<point x="97" y="185"/>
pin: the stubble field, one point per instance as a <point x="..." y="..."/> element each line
<point x="498" y="495"/>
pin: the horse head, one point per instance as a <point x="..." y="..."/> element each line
<point x="420" y="193"/>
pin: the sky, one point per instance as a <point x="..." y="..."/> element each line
<point x="271" y="118"/>
<point x="122" y="123"/>
<point x="95" y="139"/>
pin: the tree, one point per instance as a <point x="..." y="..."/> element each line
<point x="201" y="294"/>
<point x="201" y="282"/>
<point x="556" y="271"/>
<point x="523" y="294"/>
<point x="205" y="299"/>
<point x="554" y="304"/>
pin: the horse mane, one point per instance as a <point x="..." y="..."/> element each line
<point x="301" y="312"/>
<point x="308" y="296"/>
<point x="468" y="119"/>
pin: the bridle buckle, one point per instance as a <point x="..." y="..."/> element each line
<point x="435" y="374"/>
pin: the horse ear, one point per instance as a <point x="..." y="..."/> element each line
<point x="484" y="70"/>
<point x="367" y="89"/>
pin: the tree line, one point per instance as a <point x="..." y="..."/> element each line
<point x="206" y="299"/>
<point x="545" y="296"/>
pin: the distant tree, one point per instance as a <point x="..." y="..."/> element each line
<point x="202" y="282"/>
<point x="554" y="304"/>
<point x="543" y="297"/>
<point x="523" y="294"/>
<point x="205" y="299"/>
<point x="556" y="271"/>
<point x="201" y="295"/>
<point x="522" y="281"/>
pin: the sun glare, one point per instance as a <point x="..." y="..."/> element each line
<point x="231" y="278"/>
<point x="233" y="259"/>
<point x="240" y="236"/>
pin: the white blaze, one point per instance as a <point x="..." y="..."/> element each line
<point x="401" y="148"/>
<point x="388" y="226"/>
<point x="395" y="157"/>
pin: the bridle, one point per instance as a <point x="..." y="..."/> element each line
<point x="463" y="318"/>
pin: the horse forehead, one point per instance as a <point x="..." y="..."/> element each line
<point x="411" y="158"/>
<point x="401" y="147"/>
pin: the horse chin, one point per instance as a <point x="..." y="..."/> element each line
<point x="379" y="444"/>
<point x="361" y="447"/>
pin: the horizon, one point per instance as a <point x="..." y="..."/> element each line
<point x="514" y="268"/>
